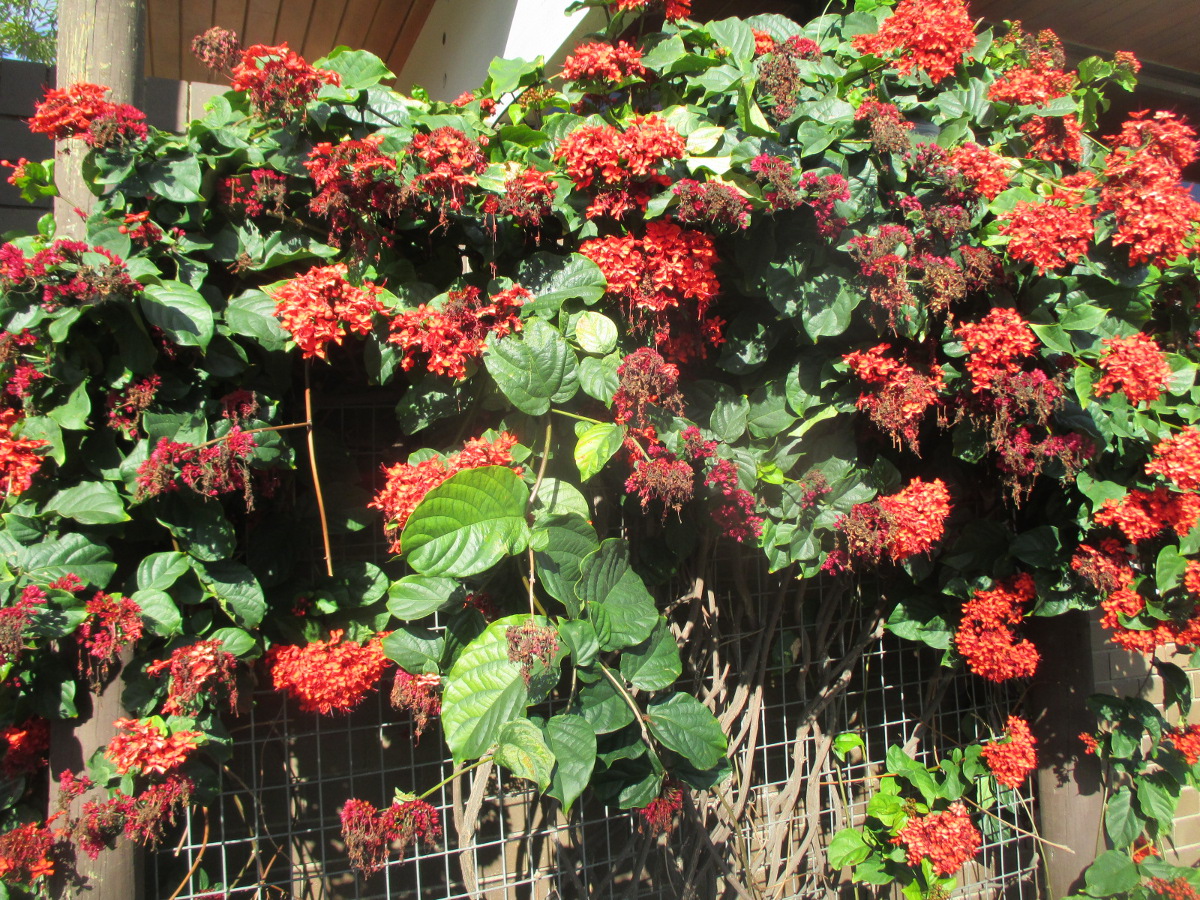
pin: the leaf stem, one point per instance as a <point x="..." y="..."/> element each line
<point x="455" y="774"/>
<point x="637" y="712"/>
<point x="312" y="458"/>
<point x="253" y="431"/>
<point x="570" y="415"/>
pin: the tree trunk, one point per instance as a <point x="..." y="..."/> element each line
<point x="102" y="42"/>
<point x="1069" y="795"/>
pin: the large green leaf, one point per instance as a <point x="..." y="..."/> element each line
<point x="416" y="596"/>
<point x="654" y="663"/>
<point x="596" y="447"/>
<point x="71" y="553"/>
<point x="608" y="581"/>
<point x="468" y="523"/>
<point x="1112" y="874"/>
<point x="358" y="68"/>
<point x="159" y="571"/>
<point x="573" y="743"/>
<point x="570" y="539"/>
<point x="90" y="503"/>
<point x="522" y="750"/>
<point x="175" y="179"/>
<point x="252" y="314"/>
<point x="603" y="708"/>
<point x="415" y="649"/>
<point x="553" y="279"/>
<point x="236" y="589"/>
<point x="596" y="333"/>
<point x="533" y="368"/>
<point x="1120" y="820"/>
<point x="180" y="311"/>
<point x="484" y="691"/>
<point x="159" y="610"/>
<point x="683" y="724"/>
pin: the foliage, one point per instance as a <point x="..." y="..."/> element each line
<point x="29" y="30"/>
<point x="720" y="287"/>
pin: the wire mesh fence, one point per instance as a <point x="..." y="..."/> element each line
<point x="274" y="830"/>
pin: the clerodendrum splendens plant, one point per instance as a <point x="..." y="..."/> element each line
<point x="869" y="296"/>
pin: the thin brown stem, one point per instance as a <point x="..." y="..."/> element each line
<point x="288" y="427"/>
<point x="196" y="861"/>
<point x="312" y="458"/>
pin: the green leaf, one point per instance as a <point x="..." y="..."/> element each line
<point x="1169" y="569"/>
<point x="177" y="180"/>
<point x="1112" y="874"/>
<point x="1156" y="800"/>
<point x="508" y="74"/>
<point x="653" y="664"/>
<point x="900" y="763"/>
<point x="51" y="560"/>
<point x="735" y="35"/>
<point x="468" y="523"/>
<point x="235" y="640"/>
<point x="236" y="589"/>
<point x="415" y="650"/>
<point x="848" y="848"/>
<point x="534" y="368"/>
<point x="845" y="742"/>
<point x="598" y="377"/>
<point x="1177" y="687"/>
<point x="90" y="503"/>
<point x="596" y="447"/>
<point x="573" y="743"/>
<point x="179" y="311"/>
<point x="483" y="692"/>
<point x="603" y="708"/>
<point x="1120" y="820"/>
<point x="416" y="596"/>
<point x="608" y="582"/>
<point x="683" y="724"/>
<point x="523" y="751"/>
<point x="160" y="610"/>
<point x="596" y="333"/>
<point x="554" y="279"/>
<point x="252" y="315"/>
<point x="73" y="415"/>
<point x="581" y="641"/>
<point x="159" y="571"/>
<point x="358" y="68"/>
<point x="828" y="300"/>
<point x="570" y="540"/>
<point x="556" y="497"/>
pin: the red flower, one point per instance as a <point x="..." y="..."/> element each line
<point x="418" y="694"/>
<point x="369" y="833"/>
<point x="196" y="672"/>
<point x="357" y="186"/>
<point x="280" y="83"/>
<point x="1012" y="760"/>
<point x="19" y="460"/>
<point x="672" y="9"/>
<point x="452" y="162"/>
<point x="25" y="854"/>
<point x="321" y="305"/>
<point x="998" y="345"/>
<point x="902" y="525"/>
<point x="1178" y="889"/>
<point x="217" y="48"/>
<point x="658" y="816"/>
<point x="986" y="638"/>
<point x="125" y="407"/>
<point x="25" y="746"/>
<point x="1134" y="365"/>
<point x="1052" y="233"/>
<point x="1178" y="459"/>
<point x="142" y="746"/>
<point x="1186" y="739"/>
<point x="456" y="332"/>
<point x="1106" y="567"/>
<point x="663" y="478"/>
<point x="528" y="196"/>
<point x="734" y="513"/>
<point x="987" y="172"/>
<point x="899" y="396"/>
<point x="596" y="61"/>
<point x="407" y="483"/>
<point x="81" y="110"/>
<point x="1022" y="86"/>
<point x="1090" y="744"/>
<point x="1143" y="514"/>
<point x="328" y="676"/>
<point x="947" y="839"/>
<point x="645" y="378"/>
<point x="112" y="624"/>
<point x="1054" y="138"/>
<point x="932" y="35"/>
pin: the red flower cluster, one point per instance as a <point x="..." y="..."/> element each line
<point x="64" y="275"/>
<point x="947" y="839"/>
<point x="125" y="407"/>
<point x="80" y="110"/>
<point x="196" y="672"/>
<point x="1054" y="138"/>
<point x="280" y="83"/>
<point x="530" y="643"/>
<point x="900" y="395"/>
<point x="418" y="694"/>
<point x="1186" y="739"/>
<point x="1022" y="86"/>
<point x="672" y="9"/>
<point x="528" y="196"/>
<point x="19" y="460"/>
<point x="143" y="746"/>
<point x="780" y="77"/>
<point x="734" y="513"/>
<point x="1155" y="213"/>
<point x="1054" y="232"/>
<point x="13" y="620"/>
<point x="1135" y="365"/>
<point x="456" y="332"/>
<point x="885" y="269"/>
<point x="1106" y="567"/>
<point x="1177" y="459"/>
<point x="25" y="747"/>
<point x="321" y="306"/>
<point x="356" y="184"/>
<point x="112" y="624"/>
<point x="1141" y="514"/>
<point x="452" y="163"/>
<point x="1179" y="889"/>
<point x="1012" y="760"/>
<point x="658" y="816"/>
<point x="986" y="637"/>
<point x="663" y="477"/>
<point x="407" y="483"/>
<point x="328" y="676"/>
<point x="266" y="192"/>
<point x="657" y="274"/>
<point x="644" y="378"/>
<point x="901" y="525"/>
<point x="604" y="64"/>
<point x="25" y="854"/>
<point x="142" y="818"/>
<point x="218" y="48"/>
<point x="932" y="35"/>
<point x="820" y="192"/>
<point x="888" y="127"/>
<point x="619" y="165"/>
<point x="140" y="229"/>
<point x="998" y="345"/>
<point x="208" y="469"/>
<point x="369" y="833"/>
<point x="711" y="201"/>
<point x="987" y="172"/>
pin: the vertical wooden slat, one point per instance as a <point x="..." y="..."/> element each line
<point x="293" y="23"/>
<point x="389" y="20"/>
<point x="356" y="22"/>
<point x="413" y="23"/>
<point x="197" y="17"/>
<point x="261" y="16"/>
<point x="323" y="26"/>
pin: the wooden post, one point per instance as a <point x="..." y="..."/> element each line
<point x="1069" y="793"/>
<point x="102" y="42"/>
